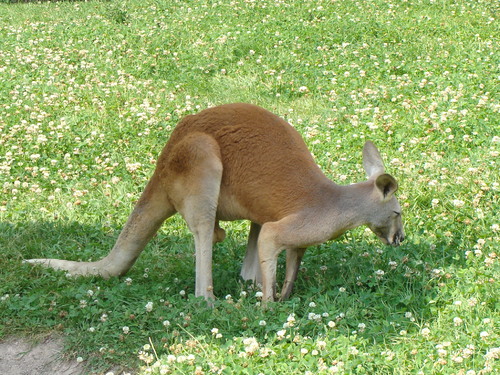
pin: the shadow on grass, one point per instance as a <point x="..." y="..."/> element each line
<point x="352" y="283"/>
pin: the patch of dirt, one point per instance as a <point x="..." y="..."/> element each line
<point x="18" y="356"/>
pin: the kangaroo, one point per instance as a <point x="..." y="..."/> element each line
<point x="240" y="161"/>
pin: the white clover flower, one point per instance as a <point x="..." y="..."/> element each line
<point x="436" y="272"/>
<point x="321" y="345"/>
<point x="425" y="332"/>
<point x="468" y="351"/>
<point x="379" y="273"/>
<point x="259" y="294"/>
<point x="313" y="316"/>
<point x="331" y="324"/>
<point x="442" y="352"/>
<point x="342" y="289"/>
<point x="390" y="355"/>
<point x="126" y="330"/>
<point x="132" y="167"/>
<point x="262" y="323"/>
<point x="281" y="334"/>
<point x="312" y="304"/>
<point x="149" y="306"/>
<point x="484" y="335"/>
<point x="457" y="321"/>
<point x="166" y="323"/>
<point x="472" y="302"/>
<point x="493" y="353"/>
<point x="251" y="345"/>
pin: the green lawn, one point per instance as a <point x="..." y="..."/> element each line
<point x="89" y="93"/>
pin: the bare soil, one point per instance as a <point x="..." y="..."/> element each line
<point x="24" y="356"/>
<point x="19" y="356"/>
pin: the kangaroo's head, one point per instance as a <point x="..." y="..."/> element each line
<point x="383" y="209"/>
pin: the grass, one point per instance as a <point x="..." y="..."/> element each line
<point x="89" y="93"/>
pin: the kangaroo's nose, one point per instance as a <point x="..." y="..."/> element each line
<point x="398" y="238"/>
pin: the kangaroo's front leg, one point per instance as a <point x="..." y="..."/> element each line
<point x="269" y="250"/>
<point x="250" y="270"/>
<point x="293" y="259"/>
<point x="292" y="233"/>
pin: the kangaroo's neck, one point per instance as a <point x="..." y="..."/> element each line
<point x="345" y="207"/>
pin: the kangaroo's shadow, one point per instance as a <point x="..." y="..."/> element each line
<point x="352" y="276"/>
<point x="80" y="242"/>
<point x="169" y="254"/>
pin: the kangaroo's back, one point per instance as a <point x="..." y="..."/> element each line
<point x="267" y="168"/>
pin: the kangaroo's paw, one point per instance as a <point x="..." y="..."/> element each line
<point x="74" y="268"/>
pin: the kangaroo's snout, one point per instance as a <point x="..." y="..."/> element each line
<point x="397" y="239"/>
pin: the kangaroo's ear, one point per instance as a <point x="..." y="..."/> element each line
<point x="372" y="161"/>
<point x="387" y="185"/>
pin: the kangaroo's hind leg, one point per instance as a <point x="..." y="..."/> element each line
<point x="196" y="167"/>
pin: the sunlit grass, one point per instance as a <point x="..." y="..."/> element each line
<point x="89" y="93"/>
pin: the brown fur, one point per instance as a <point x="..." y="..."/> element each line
<point x="239" y="161"/>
